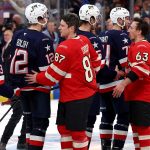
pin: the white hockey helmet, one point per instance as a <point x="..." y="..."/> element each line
<point x="87" y="11"/>
<point x="117" y="13"/>
<point x="34" y="11"/>
<point x="126" y="12"/>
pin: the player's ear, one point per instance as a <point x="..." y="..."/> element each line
<point x="72" y="28"/>
<point x="139" y="32"/>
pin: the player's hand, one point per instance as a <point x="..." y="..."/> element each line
<point x="118" y="90"/>
<point x="31" y="78"/>
<point x="127" y="70"/>
<point x="120" y="73"/>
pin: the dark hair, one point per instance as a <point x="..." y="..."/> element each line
<point x="71" y="19"/>
<point x="81" y="22"/>
<point x="142" y="25"/>
<point x="7" y="29"/>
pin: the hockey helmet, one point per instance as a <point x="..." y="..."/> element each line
<point x="117" y="13"/>
<point x="126" y="12"/>
<point x="34" y="11"/>
<point x="88" y="11"/>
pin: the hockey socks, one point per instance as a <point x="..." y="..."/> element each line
<point x="143" y="136"/>
<point x="120" y="134"/>
<point x="106" y="130"/>
<point x="66" y="138"/>
<point x="89" y="132"/>
<point x="80" y="140"/>
<point x="135" y="137"/>
<point x="37" y="136"/>
<point x="73" y="140"/>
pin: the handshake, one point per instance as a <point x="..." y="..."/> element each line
<point x="120" y="73"/>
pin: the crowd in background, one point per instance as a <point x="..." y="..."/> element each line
<point x="11" y="12"/>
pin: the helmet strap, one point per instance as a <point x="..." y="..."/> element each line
<point x="43" y="24"/>
<point x="121" y="25"/>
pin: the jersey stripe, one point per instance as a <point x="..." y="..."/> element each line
<point x="57" y="70"/>
<point x="48" y="76"/>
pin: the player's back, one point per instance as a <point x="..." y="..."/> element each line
<point x="97" y="44"/>
<point x="79" y="56"/>
<point x="116" y="44"/>
<point x="31" y="50"/>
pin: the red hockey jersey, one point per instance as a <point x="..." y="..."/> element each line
<point x="74" y="68"/>
<point x="139" y="62"/>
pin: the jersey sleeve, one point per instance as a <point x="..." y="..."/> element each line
<point x="123" y="57"/>
<point x="123" y="54"/>
<point x="45" y="54"/>
<point x="97" y="45"/>
<point x="57" y="70"/>
<point x="95" y="58"/>
<point x="1" y="75"/>
<point x="142" y="64"/>
<point x="5" y="90"/>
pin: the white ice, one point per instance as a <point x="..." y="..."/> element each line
<point x="52" y="141"/>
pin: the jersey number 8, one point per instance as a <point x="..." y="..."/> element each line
<point x="87" y="68"/>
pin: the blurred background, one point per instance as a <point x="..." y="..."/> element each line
<point x="138" y="8"/>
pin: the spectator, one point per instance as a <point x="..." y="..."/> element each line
<point x="50" y="31"/>
<point x="17" y="22"/>
<point x="75" y="6"/>
<point x="109" y="24"/>
<point x="20" y="8"/>
<point x="146" y="9"/>
<point x="98" y="4"/>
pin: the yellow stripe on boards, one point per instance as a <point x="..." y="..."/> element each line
<point x="3" y="99"/>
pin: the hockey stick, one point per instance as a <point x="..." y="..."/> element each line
<point x="54" y="88"/>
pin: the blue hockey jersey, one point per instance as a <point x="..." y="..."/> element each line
<point x="31" y="50"/>
<point x="116" y="44"/>
<point x="97" y="44"/>
<point x="5" y="89"/>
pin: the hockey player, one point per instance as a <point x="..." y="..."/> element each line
<point x="73" y="67"/>
<point x="138" y="79"/>
<point x="116" y="43"/>
<point x="32" y="50"/>
<point x="89" y="17"/>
